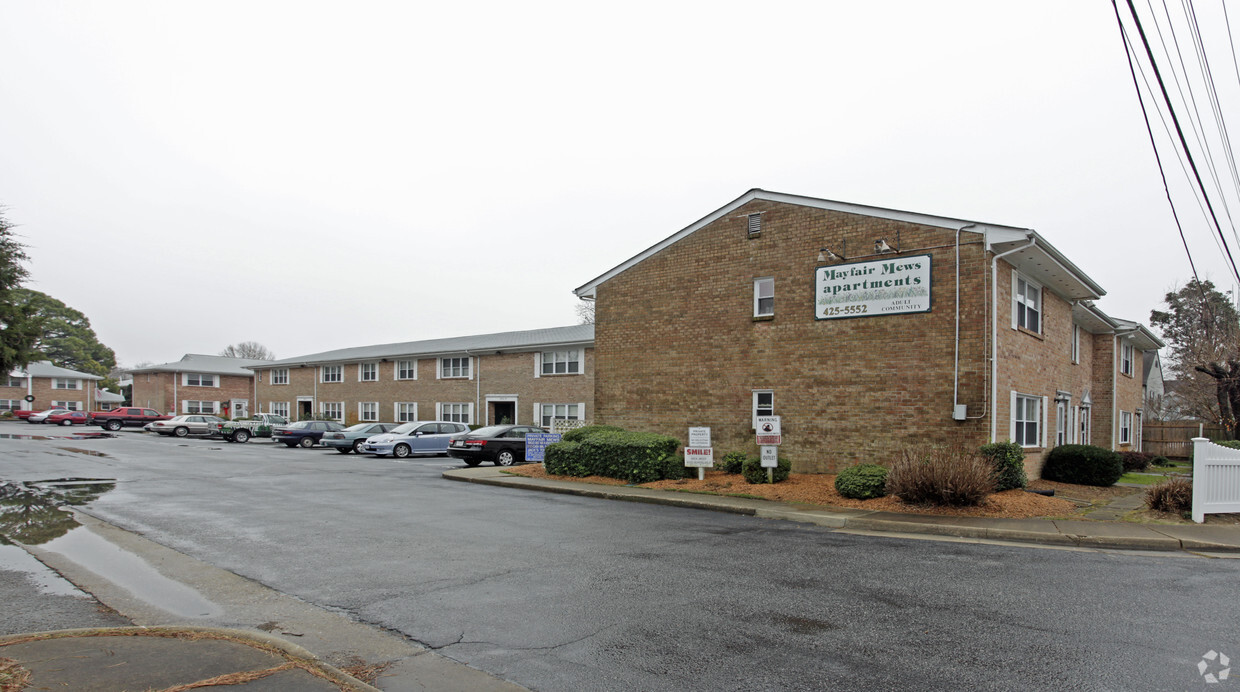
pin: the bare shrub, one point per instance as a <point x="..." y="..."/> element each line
<point x="1175" y="495"/>
<point x="953" y="475"/>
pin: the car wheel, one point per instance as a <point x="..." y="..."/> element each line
<point x="66" y="422"/>
<point x="112" y="425"/>
<point x="241" y="436"/>
<point x="471" y="462"/>
<point x="401" y="451"/>
<point x="505" y="458"/>
<point x="181" y="431"/>
<point x="344" y="450"/>
<point x="306" y="442"/>
<point x="357" y="446"/>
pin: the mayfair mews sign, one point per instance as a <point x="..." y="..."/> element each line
<point x="892" y="286"/>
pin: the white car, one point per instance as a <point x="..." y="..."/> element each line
<point x="415" y="437"/>
<point x="190" y="424"/>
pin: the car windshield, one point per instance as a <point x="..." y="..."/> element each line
<point x="490" y="431"/>
<point x="300" y="424"/>
<point x="405" y="428"/>
<point x="360" y="427"/>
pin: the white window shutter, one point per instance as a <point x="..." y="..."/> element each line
<point x="1044" y="402"/>
<point x="471" y="404"/>
<point x="471" y="376"/>
<point x="1012" y="419"/>
<point x="184" y="406"/>
<point x="537" y="414"/>
<point x="438" y="411"/>
<point x="537" y="364"/>
<point x="581" y="410"/>
<point x="1014" y="298"/>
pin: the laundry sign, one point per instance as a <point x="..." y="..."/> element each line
<point x="889" y="286"/>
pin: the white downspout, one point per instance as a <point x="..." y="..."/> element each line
<point x="994" y="335"/>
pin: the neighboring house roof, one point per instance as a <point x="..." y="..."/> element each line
<point x="1032" y="253"/>
<point x="103" y="396"/>
<point x="576" y="335"/>
<point x="44" y="368"/>
<point x="211" y="365"/>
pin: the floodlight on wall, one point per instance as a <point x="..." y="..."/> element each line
<point x="825" y="254"/>
<point x="881" y="246"/>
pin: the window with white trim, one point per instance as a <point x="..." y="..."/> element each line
<point x="279" y="408"/>
<point x="368" y="372"/>
<point x="407" y="370"/>
<point x="279" y="376"/>
<point x="1084" y="425"/>
<point x="561" y="362"/>
<point x="368" y="411"/>
<point x="1027" y="420"/>
<point x="1125" y="427"/>
<point x="1076" y="343"/>
<point x="332" y="409"/>
<point x="10" y="404"/>
<point x="16" y="381"/>
<point x="763" y="404"/>
<point x="198" y="379"/>
<point x="188" y="406"/>
<point x="1027" y="304"/>
<point x="454" y="367"/>
<point x="764" y="297"/>
<point x="70" y="405"/>
<point x="332" y="373"/>
<point x="552" y="412"/>
<point x="66" y="383"/>
<point x="456" y="413"/>
<point x="1063" y="427"/>
<point x="1136" y="431"/>
<point x="406" y="411"/>
<point x="1125" y="359"/>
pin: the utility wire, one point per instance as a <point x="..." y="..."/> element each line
<point x="1216" y="109"/>
<point x="1180" y="132"/>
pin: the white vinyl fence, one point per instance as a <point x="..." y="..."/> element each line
<point x="1216" y="479"/>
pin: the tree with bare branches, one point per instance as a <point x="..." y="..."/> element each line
<point x="249" y="349"/>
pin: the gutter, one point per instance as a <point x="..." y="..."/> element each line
<point x="994" y="331"/>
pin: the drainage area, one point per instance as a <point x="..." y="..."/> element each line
<point x="31" y="512"/>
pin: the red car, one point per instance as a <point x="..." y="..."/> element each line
<point x="68" y="418"/>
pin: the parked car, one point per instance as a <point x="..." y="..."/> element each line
<point x="414" y="437"/>
<point x="131" y="416"/>
<point x="41" y="416"/>
<point x="191" y="424"/>
<point x="304" y="433"/>
<point x="502" y="444"/>
<point x="258" y="425"/>
<point x="68" y="418"/>
<point x="353" y="437"/>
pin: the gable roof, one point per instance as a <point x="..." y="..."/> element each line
<point x="44" y="368"/>
<point x="211" y="365"/>
<point x="576" y="335"/>
<point x="1033" y="255"/>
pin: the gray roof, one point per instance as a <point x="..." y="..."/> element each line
<point x="212" y="365"/>
<point x="104" y="396"/>
<point x="578" y="334"/>
<point x="44" y="368"/>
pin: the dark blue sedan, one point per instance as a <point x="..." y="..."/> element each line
<point x="304" y="433"/>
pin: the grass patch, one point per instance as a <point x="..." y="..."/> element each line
<point x="1142" y="478"/>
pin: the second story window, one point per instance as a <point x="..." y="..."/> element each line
<point x="197" y="379"/>
<point x="367" y="372"/>
<point x="65" y="383"/>
<point x="561" y="362"/>
<point x="454" y="367"/>
<point x="1125" y="359"/>
<point x="1027" y="302"/>
<point x="1076" y="343"/>
<point x="279" y="376"/>
<point x="764" y="297"/>
<point x="333" y="373"/>
<point x="406" y="369"/>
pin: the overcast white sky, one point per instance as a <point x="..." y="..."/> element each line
<point x="315" y="175"/>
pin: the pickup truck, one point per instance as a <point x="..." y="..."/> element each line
<point x="258" y="425"/>
<point x="130" y="416"/>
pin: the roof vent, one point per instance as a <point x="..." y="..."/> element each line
<point x="755" y="224"/>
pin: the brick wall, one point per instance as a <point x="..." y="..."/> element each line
<point x="45" y="394"/>
<point x="165" y="391"/>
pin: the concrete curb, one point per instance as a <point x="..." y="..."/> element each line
<point x="1101" y="535"/>
<point x="257" y="639"/>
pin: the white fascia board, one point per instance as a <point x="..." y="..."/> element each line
<point x="588" y="290"/>
<point x="1060" y="267"/>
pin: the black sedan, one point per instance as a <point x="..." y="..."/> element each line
<point x="304" y="433"/>
<point x="502" y="444"/>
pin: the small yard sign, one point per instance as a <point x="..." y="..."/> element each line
<point x="769" y="432"/>
<point x="699" y="457"/>
<point x="770" y="457"/>
<point x="699" y="437"/>
<point x="536" y="445"/>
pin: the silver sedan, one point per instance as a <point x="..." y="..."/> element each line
<point x="191" y="424"/>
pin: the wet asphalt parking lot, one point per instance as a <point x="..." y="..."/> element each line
<point x="558" y="592"/>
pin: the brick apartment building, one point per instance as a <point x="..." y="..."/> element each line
<point x="519" y="377"/>
<point x="867" y="330"/>
<point x="48" y="386"/>
<point x="196" y="384"/>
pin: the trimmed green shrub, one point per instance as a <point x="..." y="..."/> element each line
<point x="636" y="457"/>
<point x="674" y="468"/>
<point x="955" y="476"/>
<point x="1160" y="460"/>
<point x="862" y="482"/>
<point x="753" y="472"/>
<point x="1175" y="495"/>
<point x="1135" y="461"/>
<point x="1008" y="461"/>
<point x="1083" y="465"/>
<point x="732" y="462"/>
<point x="1231" y="444"/>
<point x="579" y="434"/>
<point x="564" y="459"/>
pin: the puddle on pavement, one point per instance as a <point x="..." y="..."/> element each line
<point x="14" y="559"/>
<point x="31" y="513"/>
<point x="88" y="452"/>
<point x="132" y="573"/>
<point x="77" y="436"/>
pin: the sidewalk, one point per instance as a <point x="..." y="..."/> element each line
<point x="165" y="658"/>
<point x="1073" y="533"/>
